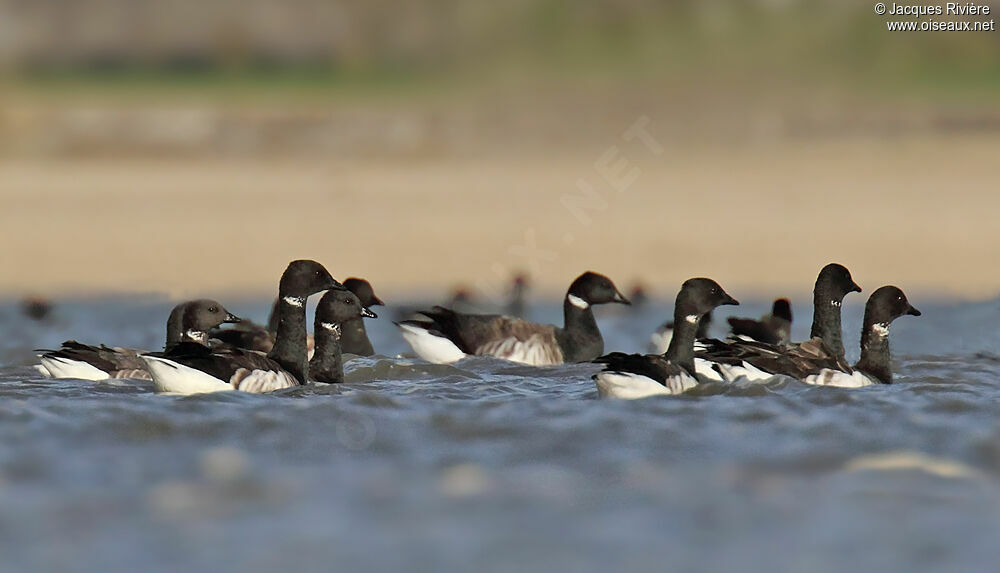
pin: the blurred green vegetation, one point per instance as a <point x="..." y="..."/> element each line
<point x="754" y="44"/>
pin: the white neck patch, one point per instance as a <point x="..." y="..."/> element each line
<point x="294" y="301"/>
<point x="881" y="329"/>
<point x="334" y="328"/>
<point x="835" y="303"/>
<point x="692" y="318"/>
<point x="577" y="301"/>
<point x="196" y="336"/>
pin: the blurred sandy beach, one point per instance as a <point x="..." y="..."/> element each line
<point x="761" y="219"/>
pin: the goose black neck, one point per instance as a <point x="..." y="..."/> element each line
<point x="875" y="355"/>
<point x="174" y="327"/>
<point x="176" y="333"/>
<point x="327" y="364"/>
<point x="826" y="319"/>
<point x="681" y="349"/>
<point x="354" y="338"/>
<point x="580" y="325"/>
<point x="290" y="341"/>
<point x="272" y="319"/>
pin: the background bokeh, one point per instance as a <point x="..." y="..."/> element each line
<point x="194" y="147"/>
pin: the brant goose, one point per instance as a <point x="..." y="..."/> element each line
<point x="353" y="337"/>
<point x="772" y="328"/>
<point x="832" y="285"/>
<point x="517" y="305"/>
<point x="36" y="308"/>
<point x="884" y="306"/>
<point x="638" y="297"/>
<point x="188" y="321"/>
<point x="334" y="312"/>
<point x="449" y="336"/>
<point x="633" y="376"/>
<point x="463" y="299"/>
<point x="659" y="341"/>
<point x="727" y="361"/>
<point x="189" y="368"/>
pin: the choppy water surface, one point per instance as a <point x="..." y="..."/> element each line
<point x="501" y="467"/>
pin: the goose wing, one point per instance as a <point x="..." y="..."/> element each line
<point x="117" y="362"/>
<point x="496" y="335"/>
<point x="797" y="361"/>
<point x="652" y="366"/>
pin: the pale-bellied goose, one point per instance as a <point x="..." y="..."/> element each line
<point x="448" y="336"/>
<point x="632" y="376"/>
<point x="725" y="361"/>
<point x="188" y="321"/>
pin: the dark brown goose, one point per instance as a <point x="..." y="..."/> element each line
<point x="727" y="361"/>
<point x="188" y="321"/>
<point x="354" y="337"/>
<point x="447" y="336"/>
<point x="335" y="310"/>
<point x="632" y="376"/>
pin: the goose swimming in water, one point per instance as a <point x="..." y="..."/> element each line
<point x="188" y="322"/>
<point x="191" y="369"/>
<point x="446" y="336"/>
<point x="632" y="376"/>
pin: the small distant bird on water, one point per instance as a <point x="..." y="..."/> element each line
<point x="36" y="308"/>
<point x="638" y="296"/>
<point x="518" y="303"/>
<point x="462" y="299"/>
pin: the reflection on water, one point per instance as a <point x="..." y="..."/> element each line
<point x="498" y="466"/>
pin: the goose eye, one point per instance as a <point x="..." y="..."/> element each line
<point x="213" y="309"/>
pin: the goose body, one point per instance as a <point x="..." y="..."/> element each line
<point x="635" y="376"/>
<point x="772" y="328"/>
<point x="196" y="369"/>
